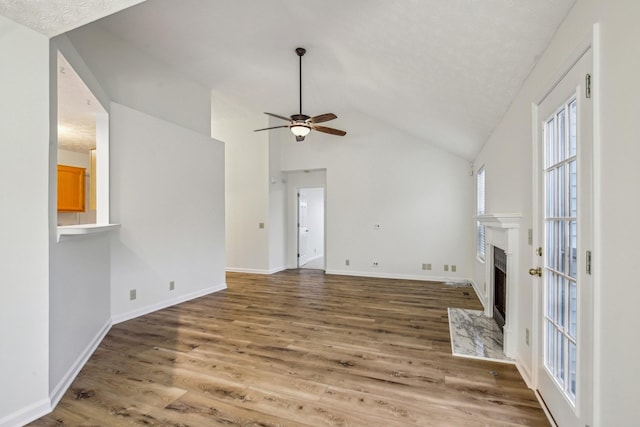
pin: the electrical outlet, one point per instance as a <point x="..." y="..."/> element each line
<point x="376" y="264"/>
<point x="446" y="267"/>
<point x="261" y="225"/>
<point x="526" y="336"/>
<point x="347" y="262"/>
<point x="172" y="285"/>
<point x="454" y="268"/>
<point x="132" y="294"/>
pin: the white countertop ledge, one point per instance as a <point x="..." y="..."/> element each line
<point x="82" y="229"/>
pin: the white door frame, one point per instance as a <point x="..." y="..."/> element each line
<point x="303" y="179"/>
<point x="592" y="42"/>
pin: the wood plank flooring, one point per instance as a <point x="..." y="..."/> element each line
<point x="297" y="348"/>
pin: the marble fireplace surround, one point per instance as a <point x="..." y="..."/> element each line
<point x="502" y="231"/>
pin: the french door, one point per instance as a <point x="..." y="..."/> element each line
<point x="563" y="260"/>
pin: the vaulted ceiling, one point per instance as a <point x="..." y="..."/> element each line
<point x="443" y="71"/>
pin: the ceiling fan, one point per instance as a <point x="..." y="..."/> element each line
<point x="301" y="124"/>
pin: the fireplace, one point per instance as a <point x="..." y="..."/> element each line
<point x="499" y="296"/>
<point x="499" y="286"/>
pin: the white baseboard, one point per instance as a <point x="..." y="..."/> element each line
<point x="27" y="414"/>
<point x="45" y="406"/>
<point x="528" y="379"/>
<point x="123" y="317"/>
<point x="478" y="294"/>
<point x="247" y="270"/>
<point x="56" y="394"/>
<point x="396" y="276"/>
<point x="552" y="422"/>
<point x="256" y="271"/>
<point x="526" y="374"/>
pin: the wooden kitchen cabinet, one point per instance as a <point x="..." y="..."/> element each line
<point x="71" y="189"/>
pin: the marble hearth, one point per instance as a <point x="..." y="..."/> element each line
<point x="502" y="231"/>
<point x="476" y="336"/>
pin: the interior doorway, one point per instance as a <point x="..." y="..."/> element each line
<point x="311" y="207"/>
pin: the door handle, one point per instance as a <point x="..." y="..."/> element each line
<point x="536" y="271"/>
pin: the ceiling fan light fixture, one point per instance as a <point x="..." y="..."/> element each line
<point x="301" y="124"/>
<point x="300" y="130"/>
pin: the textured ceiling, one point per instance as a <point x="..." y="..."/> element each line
<point x="53" y="17"/>
<point x="444" y="71"/>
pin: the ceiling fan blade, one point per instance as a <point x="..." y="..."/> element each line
<point x="273" y="127"/>
<point x="278" y="116"/>
<point x="331" y="131"/>
<point x="323" y="118"/>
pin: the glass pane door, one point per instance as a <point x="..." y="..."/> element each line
<point x="560" y="264"/>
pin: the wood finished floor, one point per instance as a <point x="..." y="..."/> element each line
<point x="297" y="348"/>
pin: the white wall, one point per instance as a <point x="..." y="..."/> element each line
<point x="420" y="195"/>
<point x="132" y="78"/>
<point x="277" y="207"/>
<point x="80" y="266"/>
<point x="508" y="154"/>
<point x="167" y="191"/>
<point x="246" y="184"/>
<point x="24" y="235"/>
<point x="617" y="375"/>
<point x="68" y="50"/>
<point x="80" y="305"/>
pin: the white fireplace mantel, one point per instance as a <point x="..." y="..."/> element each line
<point x="504" y="220"/>
<point x="503" y="231"/>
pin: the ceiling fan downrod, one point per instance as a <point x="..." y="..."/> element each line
<point x="300" y="51"/>
<point x="301" y="124"/>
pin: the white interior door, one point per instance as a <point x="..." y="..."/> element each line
<point x="564" y="231"/>
<point x="303" y="229"/>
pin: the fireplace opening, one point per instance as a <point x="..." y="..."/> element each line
<point x="499" y="286"/>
